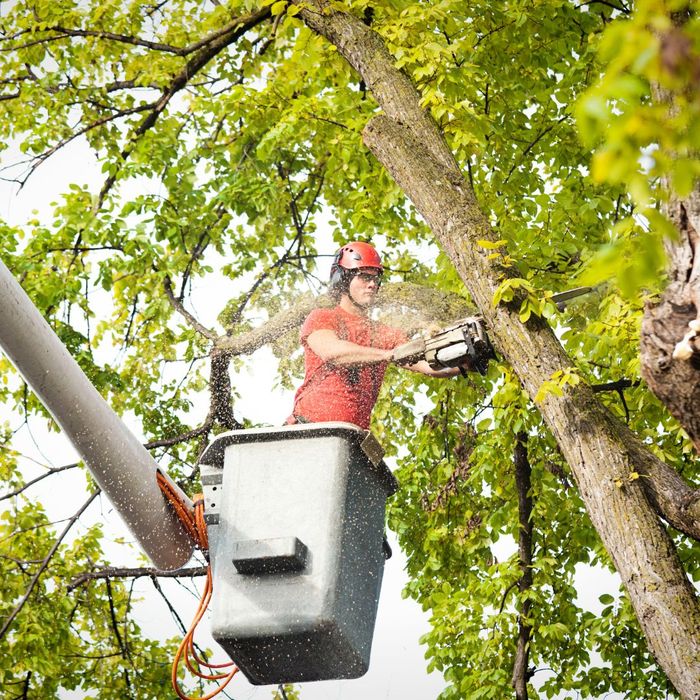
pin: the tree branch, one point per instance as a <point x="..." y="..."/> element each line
<point x="221" y="407"/>
<point x="213" y="46"/>
<point x="406" y="140"/>
<point x="178" y="306"/>
<point x="44" y="564"/>
<point x="123" y="650"/>
<point x="173" y="612"/>
<point x="124" y="572"/>
<point x="120" y="38"/>
<point x="183" y="437"/>
<point x="614" y="386"/>
<point x="38" y="160"/>
<point x="50" y="472"/>
<point x="523" y="473"/>
<point x="532" y="144"/>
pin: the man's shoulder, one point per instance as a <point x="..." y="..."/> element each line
<point x="323" y="314"/>
<point x="320" y="318"/>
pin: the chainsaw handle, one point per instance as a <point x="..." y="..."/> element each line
<point x="409" y="353"/>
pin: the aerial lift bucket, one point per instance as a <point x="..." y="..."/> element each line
<point x="295" y="517"/>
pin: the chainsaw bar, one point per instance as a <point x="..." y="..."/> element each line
<point x="465" y="343"/>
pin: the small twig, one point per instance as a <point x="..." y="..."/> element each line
<point x="173" y="612"/>
<point x="178" y="306"/>
<point x="624" y="9"/>
<point x="197" y="253"/>
<point x="51" y="472"/>
<point x="533" y="144"/>
<point x="80" y="132"/>
<point x="123" y="649"/>
<point x="45" y="563"/>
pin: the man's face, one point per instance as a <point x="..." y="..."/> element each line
<point x="364" y="285"/>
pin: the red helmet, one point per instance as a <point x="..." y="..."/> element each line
<point x="357" y="254"/>
<point x="348" y="260"/>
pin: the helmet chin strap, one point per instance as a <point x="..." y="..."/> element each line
<point x="362" y="307"/>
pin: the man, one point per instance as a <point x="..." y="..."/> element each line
<point x="346" y="353"/>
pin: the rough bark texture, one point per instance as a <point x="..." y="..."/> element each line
<point x="407" y="142"/>
<point x="523" y="474"/>
<point x="677" y="381"/>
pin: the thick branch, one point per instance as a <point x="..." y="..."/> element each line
<point x="533" y="350"/>
<point x="587" y="434"/>
<point x="409" y="145"/>
<point x="220" y="407"/>
<point x="366" y="52"/>
<point x="523" y="473"/>
<point x="124" y="572"/>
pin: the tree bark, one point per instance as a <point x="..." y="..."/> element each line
<point x="407" y="142"/>
<point x="523" y="474"/>
<point x="676" y="381"/>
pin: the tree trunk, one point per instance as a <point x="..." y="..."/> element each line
<point x="523" y="477"/>
<point x="676" y="380"/>
<point x="408" y="143"/>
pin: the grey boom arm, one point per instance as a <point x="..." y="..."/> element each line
<point x="122" y="467"/>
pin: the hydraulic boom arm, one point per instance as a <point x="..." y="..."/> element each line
<point x="122" y="467"/>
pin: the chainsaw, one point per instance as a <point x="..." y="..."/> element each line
<point x="464" y="343"/>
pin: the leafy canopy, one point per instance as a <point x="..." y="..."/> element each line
<point x="229" y="140"/>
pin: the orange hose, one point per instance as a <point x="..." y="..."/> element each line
<point x="196" y="527"/>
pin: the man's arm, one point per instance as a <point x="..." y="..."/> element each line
<point x="424" y="368"/>
<point x="330" y="348"/>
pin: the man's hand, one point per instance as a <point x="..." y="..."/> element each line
<point x="409" y="353"/>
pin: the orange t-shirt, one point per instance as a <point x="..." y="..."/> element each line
<point x="342" y="393"/>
